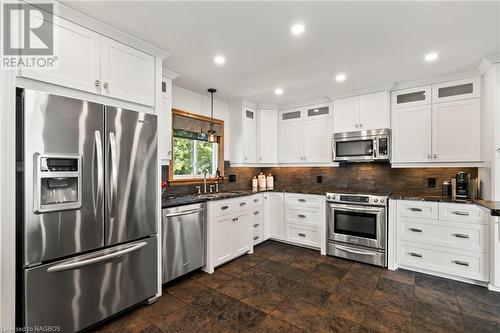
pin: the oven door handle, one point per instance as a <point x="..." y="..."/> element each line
<point x="359" y="210"/>
<point x="347" y="249"/>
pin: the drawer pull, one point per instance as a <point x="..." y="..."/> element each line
<point x="461" y="263"/>
<point x="224" y="207"/>
<point x="417" y="255"/>
<point x="302" y="216"/>
<point x="461" y="235"/>
<point x="256" y="237"/>
<point x="415" y="230"/>
<point x="256" y="212"/>
<point x="255" y="200"/>
<point x="256" y="225"/>
<point x="461" y="213"/>
<point x="243" y="203"/>
<point x="302" y="200"/>
<point x="302" y="235"/>
<point x="413" y="209"/>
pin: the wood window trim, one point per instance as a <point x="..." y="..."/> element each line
<point x="220" y="152"/>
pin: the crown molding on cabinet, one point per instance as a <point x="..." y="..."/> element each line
<point x="487" y="61"/>
<point x="364" y="91"/>
<point x="268" y="107"/>
<point x="437" y="79"/>
<point x="169" y="74"/>
<point x="243" y="102"/>
<point x="99" y="27"/>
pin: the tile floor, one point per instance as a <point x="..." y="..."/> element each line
<point x="283" y="288"/>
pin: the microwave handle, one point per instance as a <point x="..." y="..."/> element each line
<point x="333" y="149"/>
<point x="375" y="148"/>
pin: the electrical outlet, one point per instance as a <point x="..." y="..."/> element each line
<point x="431" y="182"/>
<point x="232" y="178"/>
<point x="319" y="179"/>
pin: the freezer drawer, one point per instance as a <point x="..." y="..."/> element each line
<point x="183" y="240"/>
<point x="81" y="291"/>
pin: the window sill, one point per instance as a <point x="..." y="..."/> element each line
<point x="193" y="181"/>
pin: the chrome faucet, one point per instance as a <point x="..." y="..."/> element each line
<point x="205" y="181"/>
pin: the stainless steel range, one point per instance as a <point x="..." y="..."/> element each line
<point x="357" y="227"/>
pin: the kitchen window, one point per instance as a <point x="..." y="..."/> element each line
<point x="192" y="153"/>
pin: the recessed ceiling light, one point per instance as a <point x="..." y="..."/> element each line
<point x="340" y="77"/>
<point x="278" y="91"/>
<point x="297" y="29"/>
<point x="219" y="60"/>
<point x="430" y="57"/>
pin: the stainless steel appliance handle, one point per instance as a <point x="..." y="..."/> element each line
<point x="346" y="249"/>
<point x="78" y="264"/>
<point x="100" y="168"/>
<point x="363" y="209"/>
<point x="186" y="212"/>
<point x="114" y="172"/>
<point x="333" y="149"/>
<point x="375" y="148"/>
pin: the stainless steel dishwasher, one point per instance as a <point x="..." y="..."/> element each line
<point x="183" y="240"/>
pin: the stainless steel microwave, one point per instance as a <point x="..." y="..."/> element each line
<point x="362" y="146"/>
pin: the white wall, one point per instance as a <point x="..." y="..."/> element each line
<point x="190" y="101"/>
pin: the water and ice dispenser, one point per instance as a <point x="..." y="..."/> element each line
<point x="58" y="182"/>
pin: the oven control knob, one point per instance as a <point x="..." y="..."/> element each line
<point x="375" y="200"/>
<point x="328" y="197"/>
<point x="382" y="200"/>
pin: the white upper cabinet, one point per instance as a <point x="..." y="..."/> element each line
<point x="456" y="131"/>
<point x="374" y="112"/>
<point x="346" y="114"/>
<point x="318" y="133"/>
<point x="127" y="73"/>
<point x="411" y="134"/>
<point x="165" y="123"/>
<point x="78" y="59"/>
<point x="243" y="133"/>
<point x="291" y="141"/>
<point x="90" y="62"/>
<point x="267" y="136"/>
<point x="305" y="134"/>
<point x="456" y="90"/>
<point x="365" y="112"/>
<point x="411" y="97"/>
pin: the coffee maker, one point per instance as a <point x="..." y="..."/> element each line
<point x="464" y="185"/>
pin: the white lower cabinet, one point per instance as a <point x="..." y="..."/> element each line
<point x="229" y="230"/>
<point x="443" y="238"/>
<point x="258" y="219"/>
<point x="305" y="219"/>
<point x="274" y="226"/>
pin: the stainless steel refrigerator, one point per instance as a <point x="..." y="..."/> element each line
<point x="87" y="210"/>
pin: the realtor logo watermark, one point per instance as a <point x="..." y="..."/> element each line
<point x="28" y="36"/>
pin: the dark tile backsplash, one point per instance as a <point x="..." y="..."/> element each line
<point x="362" y="177"/>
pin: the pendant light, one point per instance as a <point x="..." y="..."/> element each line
<point x="212" y="134"/>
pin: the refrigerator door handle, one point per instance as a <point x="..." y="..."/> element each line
<point x="114" y="173"/>
<point x="100" y="171"/>
<point x="106" y="257"/>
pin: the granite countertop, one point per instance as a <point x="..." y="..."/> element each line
<point x="186" y="199"/>
<point x="493" y="206"/>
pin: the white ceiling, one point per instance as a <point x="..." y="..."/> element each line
<point x="373" y="42"/>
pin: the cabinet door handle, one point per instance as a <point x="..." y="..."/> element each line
<point x="256" y="225"/>
<point x="243" y="203"/>
<point x="224" y="207"/>
<point x="461" y="213"/>
<point x="435" y="156"/>
<point x="256" y="213"/>
<point x="498" y="150"/>
<point x="415" y="230"/>
<point x="256" y="237"/>
<point x="461" y="235"/>
<point x="429" y="156"/>
<point x="461" y="263"/>
<point x="97" y="83"/>
<point x="302" y="235"/>
<point x="255" y="200"/>
<point x="417" y="255"/>
<point x="302" y="216"/>
<point x="413" y="209"/>
<point x="302" y="200"/>
<point x="360" y="125"/>
<point x="106" y="85"/>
